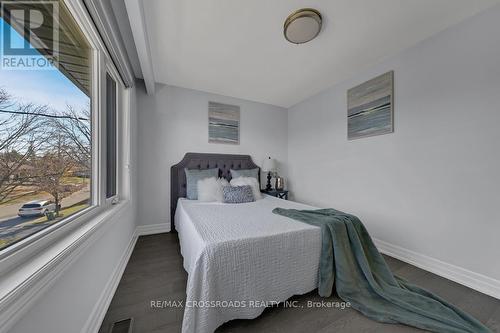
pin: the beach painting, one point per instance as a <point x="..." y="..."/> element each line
<point x="223" y="123"/>
<point x="370" y="107"/>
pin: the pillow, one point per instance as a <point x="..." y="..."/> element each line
<point x="223" y="182"/>
<point x="245" y="173"/>
<point x="237" y="194"/>
<point x="192" y="177"/>
<point x="210" y="189"/>
<point x="252" y="182"/>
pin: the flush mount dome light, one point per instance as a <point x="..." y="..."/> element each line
<point x="302" y="25"/>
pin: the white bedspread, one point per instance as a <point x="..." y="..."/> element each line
<point x="245" y="255"/>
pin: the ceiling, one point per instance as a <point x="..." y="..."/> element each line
<point x="236" y="47"/>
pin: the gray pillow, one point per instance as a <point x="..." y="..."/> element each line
<point x="237" y="194"/>
<point x="192" y="177"/>
<point x="245" y="173"/>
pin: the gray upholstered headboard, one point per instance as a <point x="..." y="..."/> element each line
<point x="203" y="161"/>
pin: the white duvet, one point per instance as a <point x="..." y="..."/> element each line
<point x="242" y="257"/>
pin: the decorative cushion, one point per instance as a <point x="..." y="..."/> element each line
<point x="245" y="173"/>
<point x="210" y="189"/>
<point x="253" y="182"/>
<point x="237" y="194"/>
<point x="192" y="177"/>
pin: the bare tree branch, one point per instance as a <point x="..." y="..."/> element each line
<point x="76" y="127"/>
<point x="39" y="147"/>
<point x="51" y="170"/>
<point x="20" y="136"/>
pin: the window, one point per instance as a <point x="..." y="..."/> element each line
<point x="50" y="72"/>
<point x="110" y="136"/>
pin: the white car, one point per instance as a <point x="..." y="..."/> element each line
<point x="37" y="208"/>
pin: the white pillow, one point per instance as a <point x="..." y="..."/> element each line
<point x="223" y="182"/>
<point x="253" y="182"/>
<point x="210" y="189"/>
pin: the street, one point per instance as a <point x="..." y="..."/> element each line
<point x="12" y="221"/>
<point x="13" y="227"/>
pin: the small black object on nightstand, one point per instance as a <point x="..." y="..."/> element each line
<point x="281" y="194"/>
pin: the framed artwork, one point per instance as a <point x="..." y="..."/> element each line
<point x="370" y="107"/>
<point x="223" y="123"/>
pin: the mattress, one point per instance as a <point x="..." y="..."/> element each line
<point x="241" y="258"/>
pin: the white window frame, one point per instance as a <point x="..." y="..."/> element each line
<point x="21" y="252"/>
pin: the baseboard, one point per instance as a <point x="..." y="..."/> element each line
<point x="479" y="282"/>
<point x="150" y="229"/>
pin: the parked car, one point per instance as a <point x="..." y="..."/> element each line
<point x="37" y="208"/>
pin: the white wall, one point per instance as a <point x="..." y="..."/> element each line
<point x="433" y="186"/>
<point x="69" y="303"/>
<point x="175" y="121"/>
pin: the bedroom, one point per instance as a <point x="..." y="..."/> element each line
<point x="389" y="113"/>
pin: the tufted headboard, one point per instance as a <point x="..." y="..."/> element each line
<point x="203" y="161"/>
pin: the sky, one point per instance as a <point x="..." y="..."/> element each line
<point x="44" y="87"/>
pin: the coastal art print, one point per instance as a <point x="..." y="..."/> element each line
<point x="370" y="107"/>
<point x="223" y="123"/>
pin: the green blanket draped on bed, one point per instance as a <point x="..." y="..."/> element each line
<point x="350" y="259"/>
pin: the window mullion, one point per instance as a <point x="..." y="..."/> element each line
<point x="102" y="128"/>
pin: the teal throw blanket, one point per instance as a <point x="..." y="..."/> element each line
<point x="350" y="261"/>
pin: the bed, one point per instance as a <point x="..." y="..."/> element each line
<point x="239" y="258"/>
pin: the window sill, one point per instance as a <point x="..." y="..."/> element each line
<point x="20" y="285"/>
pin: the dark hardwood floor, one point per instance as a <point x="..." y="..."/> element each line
<point x="155" y="272"/>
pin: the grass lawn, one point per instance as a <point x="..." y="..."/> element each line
<point x="75" y="180"/>
<point x="23" y="195"/>
<point x="4" y="242"/>
<point x="65" y="212"/>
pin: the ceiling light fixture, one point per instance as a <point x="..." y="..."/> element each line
<point x="302" y="25"/>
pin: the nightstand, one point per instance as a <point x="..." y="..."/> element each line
<point x="281" y="194"/>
